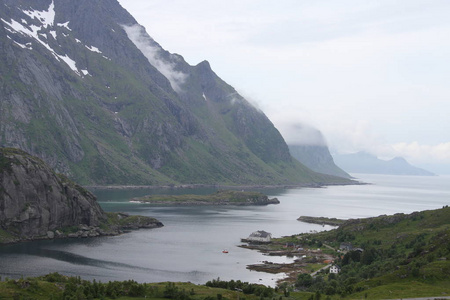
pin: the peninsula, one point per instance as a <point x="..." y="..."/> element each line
<point x="221" y="197"/>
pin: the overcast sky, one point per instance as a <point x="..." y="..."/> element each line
<point x="371" y="75"/>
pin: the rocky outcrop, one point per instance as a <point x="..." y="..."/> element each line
<point x="37" y="203"/>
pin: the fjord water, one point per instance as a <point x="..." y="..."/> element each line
<point x="189" y="246"/>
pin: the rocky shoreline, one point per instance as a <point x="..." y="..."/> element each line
<point x="116" y="224"/>
<point x="37" y="203"/>
<point x="303" y="260"/>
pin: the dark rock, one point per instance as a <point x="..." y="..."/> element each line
<point x="36" y="203"/>
<point x="34" y="200"/>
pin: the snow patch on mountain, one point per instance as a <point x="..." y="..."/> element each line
<point x="93" y="49"/>
<point x="152" y="51"/>
<point x="65" y="25"/>
<point x="46" y="17"/>
<point x="16" y="27"/>
<point x="70" y="62"/>
<point x="20" y="45"/>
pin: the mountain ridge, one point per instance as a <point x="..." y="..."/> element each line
<point x="363" y="162"/>
<point x="86" y="89"/>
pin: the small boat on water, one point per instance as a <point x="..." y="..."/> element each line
<point x="224" y="251"/>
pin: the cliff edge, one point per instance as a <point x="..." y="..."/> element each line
<point x="37" y="203"/>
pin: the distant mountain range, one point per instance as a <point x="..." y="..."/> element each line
<point x="363" y="162"/>
<point x="86" y="89"/>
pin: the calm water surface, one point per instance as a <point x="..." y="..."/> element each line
<point x="189" y="246"/>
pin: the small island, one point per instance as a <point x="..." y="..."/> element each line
<point x="221" y="197"/>
<point x="321" y="220"/>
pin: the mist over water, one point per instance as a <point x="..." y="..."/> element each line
<point x="189" y="246"/>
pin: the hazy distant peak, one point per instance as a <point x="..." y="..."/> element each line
<point x="363" y="162"/>
<point x="399" y="159"/>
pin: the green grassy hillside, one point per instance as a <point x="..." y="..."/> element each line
<point x="404" y="255"/>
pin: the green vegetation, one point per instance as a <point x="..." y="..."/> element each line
<point x="6" y="237"/>
<point x="8" y="159"/>
<point x="59" y="287"/>
<point x="221" y="197"/>
<point x="125" y="221"/>
<point x="395" y="256"/>
<point x="321" y="220"/>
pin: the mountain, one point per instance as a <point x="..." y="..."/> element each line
<point x="37" y="203"/>
<point x="86" y="89"/>
<point x="363" y="162"/>
<point x="308" y="145"/>
<point x="317" y="158"/>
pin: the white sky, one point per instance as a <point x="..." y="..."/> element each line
<point x="372" y="75"/>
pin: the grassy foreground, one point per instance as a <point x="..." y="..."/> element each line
<point x="59" y="287"/>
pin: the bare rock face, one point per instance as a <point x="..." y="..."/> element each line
<point x="35" y="202"/>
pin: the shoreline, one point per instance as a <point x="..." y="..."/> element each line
<point x="305" y="261"/>
<point x="220" y="186"/>
<point x="117" y="224"/>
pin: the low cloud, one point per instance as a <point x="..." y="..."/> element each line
<point x="424" y="153"/>
<point x="152" y="51"/>
<point x="301" y="134"/>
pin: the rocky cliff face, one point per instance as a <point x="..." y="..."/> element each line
<point x="34" y="201"/>
<point x="87" y="90"/>
<point x="308" y="146"/>
<point x="317" y="158"/>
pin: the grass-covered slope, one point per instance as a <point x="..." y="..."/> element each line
<point x="404" y="255"/>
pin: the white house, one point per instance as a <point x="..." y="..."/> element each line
<point x="334" y="269"/>
<point x="260" y="236"/>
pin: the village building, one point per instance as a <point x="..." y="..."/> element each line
<point x="260" y="236"/>
<point x="334" y="269"/>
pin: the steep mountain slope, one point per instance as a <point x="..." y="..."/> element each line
<point x="363" y="162"/>
<point x="308" y="145"/>
<point x="317" y="158"/>
<point x="87" y="90"/>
